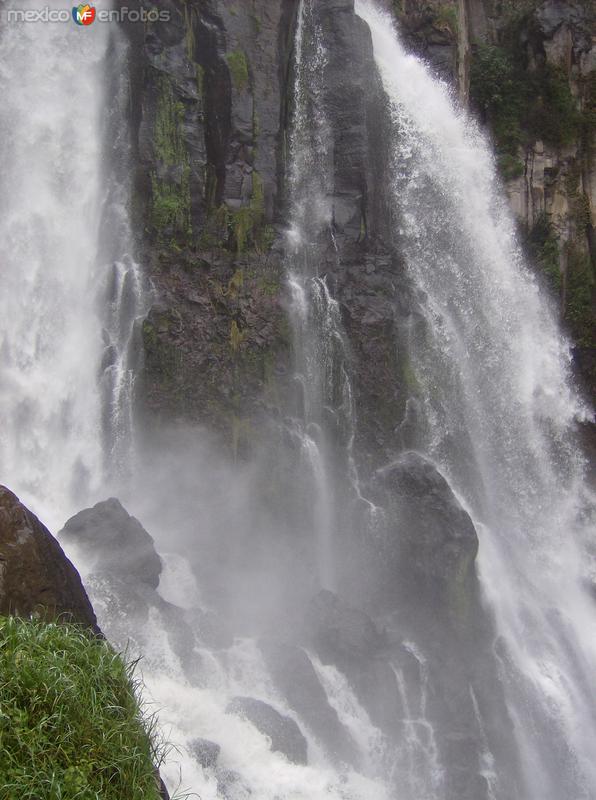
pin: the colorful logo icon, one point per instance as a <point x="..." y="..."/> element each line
<point x="83" y="14"/>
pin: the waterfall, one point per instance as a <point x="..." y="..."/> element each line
<point x="319" y="346"/>
<point x="492" y="405"/>
<point x="50" y="342"/>
<point x="59" y="207"/>
<point x="499" y="415"/>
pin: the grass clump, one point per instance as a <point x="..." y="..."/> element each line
<point x="71" y="726"/>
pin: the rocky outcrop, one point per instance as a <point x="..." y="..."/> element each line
<point x="36" y="578"/>
<point x="114" y="542"/>
<point x="286" y="737"/>
<point x="122" y="575"/>
<point x="348" y="638"/>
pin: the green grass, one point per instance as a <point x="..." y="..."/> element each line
<point x="71" y="723"/>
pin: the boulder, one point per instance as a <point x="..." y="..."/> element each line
<point x="286" y="737"/>
<point x="430" y="544"/>
<point x="114" y="543"/>
<point x="36" y="578"/>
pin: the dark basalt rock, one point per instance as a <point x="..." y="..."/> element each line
<point x="36" y="578"/>
<point x="205" y="752"/>
<point x="294" y="675"/>
<point x="286" y="737"/>
<point x="123" y="571"/>
<point x="115" y="542"/>
<point x="431" y="542"/>
<point x="553" y="14"/>
<point x="339" y="632"/>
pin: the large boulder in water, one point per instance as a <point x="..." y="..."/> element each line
<point x="36" y="578"/>
<point x="286" y="737"/>
<point x="114" y="543"/>
<point x="427" y="556"/>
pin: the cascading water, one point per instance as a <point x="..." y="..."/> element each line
<point x="421" y="772"/>
<point x="318" y="342"/>
<point x="61" y="438"/>
<point x="50" y="344"/>
<point x="498" y="415"/>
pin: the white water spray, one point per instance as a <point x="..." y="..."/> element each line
<point x="50" y="328"/>
<point x="72" y="289"/>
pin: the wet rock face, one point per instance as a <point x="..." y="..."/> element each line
<point x="349" y="639"/>
<point x="340" y="632"/>
<point x="36" y="578"/>
<point x="286" y="737"/>
<point x="295" y="677"/>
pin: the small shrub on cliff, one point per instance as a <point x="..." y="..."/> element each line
<point x="71" y="726"/>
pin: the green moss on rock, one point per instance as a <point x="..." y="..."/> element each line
<point x="238" y="66"/>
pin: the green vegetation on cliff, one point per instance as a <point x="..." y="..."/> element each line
<point x="543" y="246"/>
<point x="170" y="183"/>
<point x="521" y="105"/>
<point x="71" y="726"/>
<point x="579" y="297"/>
